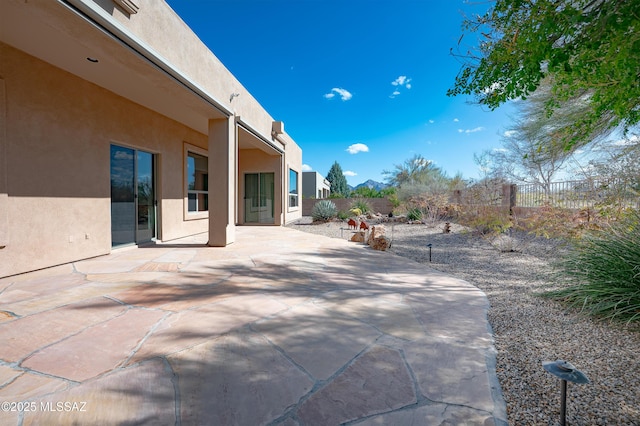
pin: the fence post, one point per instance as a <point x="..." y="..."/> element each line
<point x="509" y="196"/>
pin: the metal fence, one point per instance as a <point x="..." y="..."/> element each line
<point x="580" y="194"/>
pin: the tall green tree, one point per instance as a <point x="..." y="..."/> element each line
<point x="415" y="170"/>
<point x="589" y="48"/>
<point x="417" y="176"/>
<point x="337" y="180"/>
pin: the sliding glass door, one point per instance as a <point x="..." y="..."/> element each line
<point x="258" y="197"/>
<point x="133" y="201"/>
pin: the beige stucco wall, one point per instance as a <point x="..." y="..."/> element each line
<point x="293" y="161"/>
<point x="59" y="129"/>
<point x="163" y="30"/>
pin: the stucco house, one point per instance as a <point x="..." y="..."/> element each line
<point x="314" y="185"/>
<point x="118" y="126"/>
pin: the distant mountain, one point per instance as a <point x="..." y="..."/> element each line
<point x="371" y="184"/>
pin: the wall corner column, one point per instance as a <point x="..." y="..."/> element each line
<point x="222" y="181"/>
<point x="4" y="190"/>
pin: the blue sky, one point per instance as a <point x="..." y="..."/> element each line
<point x="360" y="82"/>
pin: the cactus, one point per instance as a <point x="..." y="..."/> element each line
<point x="324" y="210"/>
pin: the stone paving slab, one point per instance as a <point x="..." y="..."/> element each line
<point x="97" y="349"/>
<point x="241" y="369"/>
<point x="356" y="393"/>
<point x="316" y="339"/>
<point x="279" y="328"/>
<point x="142" y="394"/>
<point x="433" y="414"/>
<point x="18" y="291"/>
<point x="23" y="336"/>
<point x="191" y="327"/>
<point x="38" y="303"/>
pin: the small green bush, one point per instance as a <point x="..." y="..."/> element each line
<point x="324" y="210"/>
<point x="343" y="215"/>
<point x="362" y="205"/>
<point x="414" y="214"/>
<point x="603" y="272"/>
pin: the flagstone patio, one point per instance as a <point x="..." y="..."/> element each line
<point x="281" y="327"/>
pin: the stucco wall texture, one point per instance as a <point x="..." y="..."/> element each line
<point x="59" y="131"/>
<point x="56" y="130"/>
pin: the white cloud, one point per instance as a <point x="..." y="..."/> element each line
<point x="431" y="121"/>
<point x="474" y="130"/>
<point x="344" y="94"/>
<point x="349" y="173"/>
<point x="455" y="120"/>
<point x="394" y="94"/>
<point x="401" y="81"/>
<point x="356" y="148"/>
<point x="500" y="150"/>
<point x="510" y="133"/>
<point x="307" y="168"/>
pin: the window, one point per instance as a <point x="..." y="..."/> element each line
<point x="197" y="182"/>
<point x="293" y="188"/>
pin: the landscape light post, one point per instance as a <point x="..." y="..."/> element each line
<point x="567" y="373"/>
<point x="429" y="245"/>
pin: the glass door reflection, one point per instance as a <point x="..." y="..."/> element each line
<point x="133" y="215"/>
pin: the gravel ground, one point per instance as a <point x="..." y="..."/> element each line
<point x="529" y="329"/>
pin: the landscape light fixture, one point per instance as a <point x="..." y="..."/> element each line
<point x="429" y="245"/>
<point x="567" y="373"/>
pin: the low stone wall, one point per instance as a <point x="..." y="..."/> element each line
<point x="378" y="205"/>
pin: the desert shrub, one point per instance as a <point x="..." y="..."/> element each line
<point x="556" y="222"/>
<point x="324" y="210"/>
<point x="392" y="196"/>
<point x="486" y="220"/>
<point x="603" y="272"/>
<point x="414" y="214"/>
<point x="342" y="214"/>
<point x="433" y="207"/>
<point x="362" y="205"/>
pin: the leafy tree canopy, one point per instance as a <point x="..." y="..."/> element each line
<point x="337" y="180"/>
<point x="415" y="170"/>
<point x="589" y="49"/>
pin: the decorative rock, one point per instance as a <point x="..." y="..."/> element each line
<point x="376" y="232"/>
<point x="381" y="243"/>
<point x="358" y="237"/>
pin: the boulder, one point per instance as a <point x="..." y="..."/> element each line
<point x="376" y="232"/>
<point x="381" y="243"/>
<point x="358" y="237"/>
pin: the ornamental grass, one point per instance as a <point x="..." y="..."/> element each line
<point x="603" y="272"/>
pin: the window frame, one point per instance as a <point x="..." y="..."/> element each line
<point x="293" y="195"/>
<point x="194" y="214"/>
